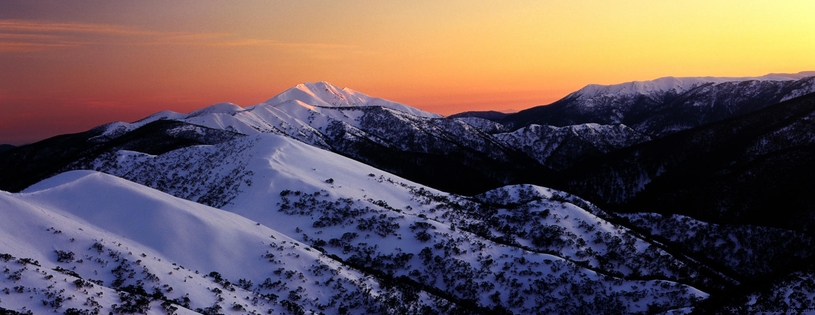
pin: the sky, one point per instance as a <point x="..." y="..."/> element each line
<point x="69" y="65"/>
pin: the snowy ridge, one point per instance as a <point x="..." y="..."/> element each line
<point x="324" y="94"/>
<point x="220" y="108"/>
<point x="178" y="229"/>
<point x="667" y="105"/>
<point x="94" y="242"/>
<point x="116" y="129"/>
<point x="373" y="220"/>
<point x="354" y="124"/>
<point x="302" y="112"/>
<point x="677" y="85"/>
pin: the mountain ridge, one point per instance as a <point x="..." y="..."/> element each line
<point x="285" y="184"/>
<point x="681" y="83"/>
<point x="134" y="240"/>
<point x="666" y="105"/>
<point x="472" y="148"/>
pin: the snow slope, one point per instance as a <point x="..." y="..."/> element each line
<point x="384" y="225"/>
<point x="114" y="234"/>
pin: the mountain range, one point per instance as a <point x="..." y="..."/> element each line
<point x="668" y="196"/>
<point x="667" y="105"/>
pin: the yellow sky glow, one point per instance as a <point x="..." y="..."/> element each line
<point x="126" y="60"/>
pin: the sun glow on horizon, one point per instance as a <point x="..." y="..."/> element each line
<point x="71" y="65"/>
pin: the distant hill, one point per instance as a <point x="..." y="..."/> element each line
<point x="666" y="105"/>
<point x="6" y="147"/>
<point x="489" y="115"/>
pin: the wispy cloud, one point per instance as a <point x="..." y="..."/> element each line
<point x="12" y="46"/>
<point x="27" y="26"/>
<point x="30" y="36"/>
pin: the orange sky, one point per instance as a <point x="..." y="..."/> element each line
<point x="69" y="65"/>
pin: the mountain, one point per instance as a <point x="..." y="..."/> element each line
<point x="324" y="94"/>
<point x="28" y="164"/>
<point x="490" y="115"/>
<point x="93" y="242"/>
<point x="411" y="143"/>
<point x="6" y="147"/>
<point x="771" y="264"/>
<point x="388" y="135"/>
<point x="411" y="212"/>
<point x="667" y="105"/>
<point x="463" y="155"/>
<point x="562" y="147"/>
<point x="724" y="194"/>
<point x="736" y="170"/>
<point x="344" y="236"/>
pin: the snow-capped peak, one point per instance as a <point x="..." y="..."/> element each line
<point x="324" y="94"/>
<point x="321" y="94"/>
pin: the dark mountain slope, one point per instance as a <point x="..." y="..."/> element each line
<point x="6" y="147"/>
<point x="752" y="169"/>
<point x="561" y="147"/>
<point x="28" y="164"/>
<point x="662" y="106"/>
<point x="446" y="154"/>
<point x="490" y="115"/>
<point x="734" y="195"/>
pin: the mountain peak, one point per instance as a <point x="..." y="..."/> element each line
<point x="324" y="94"/>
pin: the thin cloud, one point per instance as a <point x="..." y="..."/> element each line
<point x="25" y="26"/>
<point x="227" y="42"/>
<point x="12" y="46"/>
<point x="28" y="36"/>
